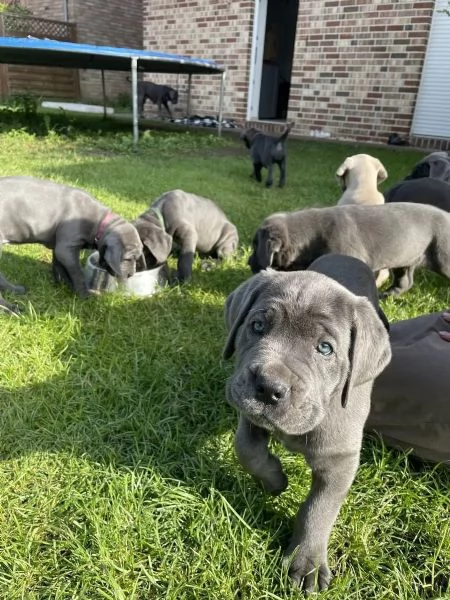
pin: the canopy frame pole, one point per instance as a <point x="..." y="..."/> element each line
<point x="188" y="102"/>
<point x="134" y="97"/>
<point x="221" y="94"/>
<point x="104" y="94"/>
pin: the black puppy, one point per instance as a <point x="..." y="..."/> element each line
<point x="353" y="274"/>
<point x="265" y="150"/>
<point x="425" y="190"/>
<point x="156" y="93"/>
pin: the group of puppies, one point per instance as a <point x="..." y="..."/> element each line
<point x="310" y="337"/>
<point x="306" y="328"/>
<point x="68" y="220"/>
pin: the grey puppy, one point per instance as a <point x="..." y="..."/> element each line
<point x="265" y="151"/>
<point x="397" y="236"/>
<point x="425" y="190"/>
<point x="307" y="353"/>
<point x="158" y="94"/>
<point x="195" y="224"/>
<point x="66" y="220"/>
<point x="157" y="243"/>
<point x="435" y="165"/>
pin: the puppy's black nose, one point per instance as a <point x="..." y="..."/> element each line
<point x="270" y="391"/>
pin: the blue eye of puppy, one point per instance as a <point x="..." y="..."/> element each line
<point x="257" y="326"/>
<point x="324" y="348"/>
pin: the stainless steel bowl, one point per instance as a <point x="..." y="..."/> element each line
<point x="142" y="283"/>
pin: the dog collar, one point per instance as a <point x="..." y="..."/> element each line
<point x="110" y="216"/>
<point x="158" y="215"/>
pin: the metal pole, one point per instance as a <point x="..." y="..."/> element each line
<point x="134" y="97"/>
<point x="188" y="104"/>
<point x="104" y="94"/>
<point x="222" y="87"/>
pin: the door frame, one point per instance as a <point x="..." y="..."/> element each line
<point x="256" y="60"/>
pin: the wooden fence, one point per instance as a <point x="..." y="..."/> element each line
<point x="49" y="82"/>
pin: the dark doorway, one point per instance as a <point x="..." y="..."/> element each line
<point x="279" y="41"/>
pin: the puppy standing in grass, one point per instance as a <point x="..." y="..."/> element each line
<point x="397" y="236"/>
<point x="194" y="223"/>
<point x="359" y="176"/>
<point x="265" y="151"/>
<point x="307" y="352"/>
<point x="66" y="220"/>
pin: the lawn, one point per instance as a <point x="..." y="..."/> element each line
<point x="118" y="477"/>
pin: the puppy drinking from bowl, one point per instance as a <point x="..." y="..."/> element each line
<point x="195" y="224"/>
<point x="307" y="352"/>
<point x="66" y="220"/>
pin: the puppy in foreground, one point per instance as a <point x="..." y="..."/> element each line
<point x="359" y="176"/>
<point x="66" y="220"/>
<point x="397" y="236"/>
<point x="195" y="224"/>
<point x="307" y="352"/>
<point x="265" y="151"/>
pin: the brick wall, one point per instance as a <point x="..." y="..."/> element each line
<point x="219" y="30"/>
<point x="357" y="66"/>
<point x="111" y="23"/>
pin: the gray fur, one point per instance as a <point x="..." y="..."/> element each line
<point x="435" y="165"/>
<point x="66" y="220"/>
<point x="314" y="404"/>
<point x="425" y="190"/>
<point x="265" y="151"/>
<point x="196" y="224"/>
<point x="397" y="236"/>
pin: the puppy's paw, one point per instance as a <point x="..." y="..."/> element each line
<point x="277" y="483"/>
<point x="269" y="184"/>
<point x="11" y="309"/>
<point x="307" y="574"/>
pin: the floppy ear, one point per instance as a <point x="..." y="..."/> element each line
<point x="370" y="349"/>
<point x="342" y="171"/>
<point x="265" y="248"/>
<point x="237" y="306"/>
<point x="159" y="243"/>
<point x="382" y="174"/>
<point x="111" y="254"/>
<point x="345" y="166"/>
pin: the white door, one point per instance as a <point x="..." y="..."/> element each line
<point x="254" y="87"/>
<point x="432" y="111"/>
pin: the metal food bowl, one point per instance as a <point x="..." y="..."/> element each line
<point x="142" y="283"/>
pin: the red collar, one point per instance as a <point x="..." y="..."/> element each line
<point x="103" y="225"/>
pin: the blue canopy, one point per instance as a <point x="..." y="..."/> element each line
<point x="33" y="51"/>
<point x="51" y="53"/>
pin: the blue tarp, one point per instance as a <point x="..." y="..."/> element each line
<point x="33" y="51"/>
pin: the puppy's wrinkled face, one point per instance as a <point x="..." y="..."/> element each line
<point x="119" y="251"/>
<point x="173" y="96"/>
<point x="292" y="359"/>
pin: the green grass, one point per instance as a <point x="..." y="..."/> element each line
<point x="118" y="477"/>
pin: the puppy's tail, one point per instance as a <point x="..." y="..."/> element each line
<point x="285" y="133"/>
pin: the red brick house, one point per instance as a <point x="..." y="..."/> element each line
<point x="351" y="69"/>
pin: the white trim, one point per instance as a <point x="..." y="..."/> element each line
<point x="256" y="61"/>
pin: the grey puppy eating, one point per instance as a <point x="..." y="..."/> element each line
<point x="66" y="220"/>
<point x="397" y="236"/>
<point x="307" y="353"/>
<point x="265" y="151"/>
<point x="195" y="224"/>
